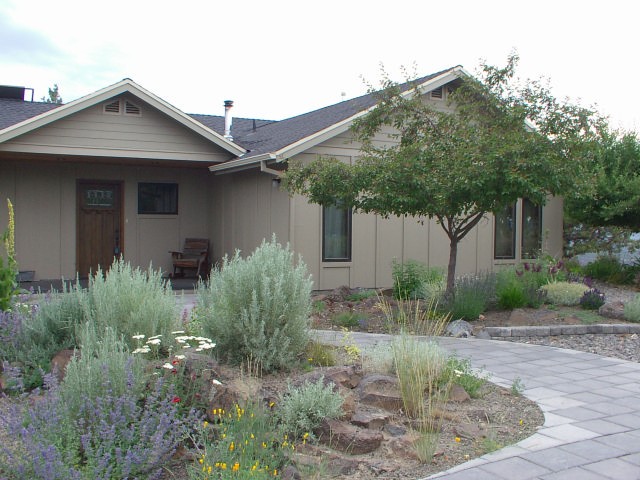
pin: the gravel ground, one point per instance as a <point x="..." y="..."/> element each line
<point x="626" y="347"/>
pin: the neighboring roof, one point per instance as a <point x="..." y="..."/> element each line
<point x="253" y="140"/>
<point x="15" y="111"/>
<point x="20" y="127"/>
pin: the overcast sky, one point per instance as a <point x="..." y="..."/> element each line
<point x="280" y="58"/>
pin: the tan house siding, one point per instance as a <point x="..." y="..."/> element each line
<point x="92" y="132"/>
<point x="44" y="197"/>
<point x="377" y="242"/>
<point x="246" y="208"/>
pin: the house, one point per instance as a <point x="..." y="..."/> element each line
<point x="122" y="171"/>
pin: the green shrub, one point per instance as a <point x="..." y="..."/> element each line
<point x="510" y="292"/>
<point x="243" y="443"/>
<point x="409" y="277"/>
<point x="632" y="309"/>
<point x="592" y="299"/>
<point x="302" y="409"/>
<point x="347" y="319"/>
<point x="462" y="374"/>
<point x="101" y="369"/>
<point x="360" y="295"/>
<point x="564" y="293"/>
<point x="472" y="296"/>
<point x="377" y="358"/>
<point x="320" y="355"/>
<point x="609" y="269"/>
<point x="258" y="307"/>
<point x="131" y="301"/>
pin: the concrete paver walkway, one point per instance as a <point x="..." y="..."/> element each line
<point x="591" y="406"/>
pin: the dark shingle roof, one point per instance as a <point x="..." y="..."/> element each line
<point x="15" y="111"/>
<point x="256" y="136"/>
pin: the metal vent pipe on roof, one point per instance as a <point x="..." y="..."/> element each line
<point x="228" y="119"/>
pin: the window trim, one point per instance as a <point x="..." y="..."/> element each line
<point x="177" y="199"/>
<point x="349" y="255"/>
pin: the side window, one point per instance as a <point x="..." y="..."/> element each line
<point x="505" y="233"/>
<point x="336" y="234"/>
<point x="158" y="198"/>
<point x="531" y="229"/>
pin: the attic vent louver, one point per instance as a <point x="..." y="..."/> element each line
<point x="132" y="109"/>
<point x="113" y="107"/>
<point x="437" y="93"/>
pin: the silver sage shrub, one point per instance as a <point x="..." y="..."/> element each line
<point x="257" y="309"/>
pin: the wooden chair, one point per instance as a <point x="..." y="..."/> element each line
<point x="194" y="255"/>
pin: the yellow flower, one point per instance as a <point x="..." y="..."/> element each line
<point x="232" y="447"/>
<point x="209" y="469"/>
<point x="201" y="461"/>
<point x="457" y="439"/>
<point x="252" y="436"/>
<point x="236" y="467"/>
<point x="205" y="424"/>
<point x="521" y="422"/>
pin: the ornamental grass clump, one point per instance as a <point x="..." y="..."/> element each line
<point x="472" y="295"/>
<point x="564" y="293"/>
<point x="258" y="307"/>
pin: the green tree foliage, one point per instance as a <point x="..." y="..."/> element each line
<point x="611" y="194"/>
<point x="53" y="95"/>
<point x="456" y="165"/>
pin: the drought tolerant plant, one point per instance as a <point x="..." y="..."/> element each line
<point x="564" y="293"/>
<point x="461" y="373"/>
<point x="419" y="365"/>
<point x="510" y="292"/>
<point x="422" y="376"/>
<point x="259" y="307"/>
<point x="131" y="301"/>
<point x="320" y="355"/>
<point x="111" y="436"/>
<point x="472" y="296"/>
<point x="302" y="409"/>
<point x="592" y="299"/>
<point x="415" y="317"/>
<point x="610" y="269"/>
<point x="242" y="443"/>
<point x="632" y="309"/>
<point x="360" y="295"/>
<point x="8" y="271"/>
<point x="377" y="358"/>
<point x="410" y="277"/>
<point x="347" y="319"/>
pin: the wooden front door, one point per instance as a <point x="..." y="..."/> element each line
<point x="99" y="225"/>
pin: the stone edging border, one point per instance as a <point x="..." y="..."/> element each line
<point x="554" y="330"/>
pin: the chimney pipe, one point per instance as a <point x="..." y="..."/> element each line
<point x="228" y="119"/>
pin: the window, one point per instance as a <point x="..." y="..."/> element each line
<point x="158" y="198"/>
<point x="505" y="233"/>
<point x="336" y="234"/>
<point x="531" y="229"/>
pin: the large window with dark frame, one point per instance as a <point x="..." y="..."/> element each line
<point x="531" y="242"/>
<point x="158" y="198"/>
<point x="505" y="233"/>
<point x="336" y="234"/>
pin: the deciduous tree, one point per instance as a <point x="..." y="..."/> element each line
<point x="499" y="140"/>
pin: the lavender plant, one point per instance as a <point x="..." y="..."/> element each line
<point x="110" y="436"/>
<point x="592" y="299"/>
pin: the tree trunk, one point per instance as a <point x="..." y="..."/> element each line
<point x="451" y="270"/>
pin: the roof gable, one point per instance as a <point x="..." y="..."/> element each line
<point x="283" y="139"/>
<point x="47" y="116"/>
